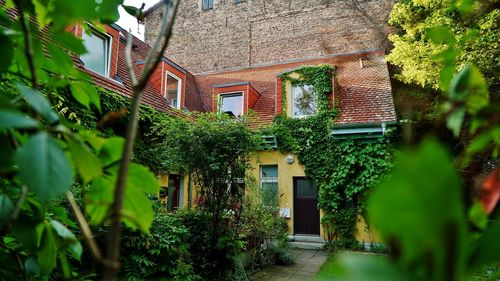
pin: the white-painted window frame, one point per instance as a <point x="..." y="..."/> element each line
<point x="179" y="88"/>
<point x="109" y="39"/>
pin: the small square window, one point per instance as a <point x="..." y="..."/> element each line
<point x="231" y="104"/>
<point x="207" y="4"/>
<point x="303" y="101"/>
<point x="98" y="54"/>
<point x="173" y="90"/>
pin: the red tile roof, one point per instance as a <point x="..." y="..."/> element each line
<point x="364" y="94"/>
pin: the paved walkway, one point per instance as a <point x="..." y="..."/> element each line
<point x="307" y="263"/>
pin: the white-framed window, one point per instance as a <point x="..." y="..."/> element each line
<point x="269" y="185"/>
<point x="98" y="56"/>
<point x="303" y="101"/>
<point x="207" y="4"/>
<point x="173" y="90"/>
<point x="231" y="103"/>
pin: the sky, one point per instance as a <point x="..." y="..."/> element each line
<point x="128" y="22"/>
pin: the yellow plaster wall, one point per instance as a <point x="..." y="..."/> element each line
<point x="163" y="181"/>
<point x="286" y="172"/>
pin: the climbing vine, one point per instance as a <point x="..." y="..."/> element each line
<point x="320" y="77"/>
<point x="344" y="170"/>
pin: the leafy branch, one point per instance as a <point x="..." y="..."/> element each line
<point x="152" y="60"/>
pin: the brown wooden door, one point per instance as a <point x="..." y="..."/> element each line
<point x="305" y="207"/>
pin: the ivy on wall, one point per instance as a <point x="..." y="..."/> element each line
<point x="320" y="77"/>
<point x="343" y="170"/>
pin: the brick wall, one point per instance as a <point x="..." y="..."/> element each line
<point x="270" y="31"/>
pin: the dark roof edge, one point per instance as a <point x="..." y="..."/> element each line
<point x="361" y="52"/>
<point x="230" y="84"/>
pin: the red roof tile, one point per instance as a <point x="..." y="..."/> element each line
<point x="364" y="94"/>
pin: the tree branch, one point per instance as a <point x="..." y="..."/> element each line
<point x="152" y="60"/>
<point x="84" y="226"/>
<point x="28" y="45"/>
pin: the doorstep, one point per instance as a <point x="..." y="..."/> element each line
<point x="307" y="242"/>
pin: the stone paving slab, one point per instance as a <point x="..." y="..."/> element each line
<point x="307" y="263"/>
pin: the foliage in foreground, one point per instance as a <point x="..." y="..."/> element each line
<point x="473" y="26"/>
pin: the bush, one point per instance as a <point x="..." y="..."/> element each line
<point x="265" y="232"/>
<point x="164" y="255"/>
<point x="213" y="251"/>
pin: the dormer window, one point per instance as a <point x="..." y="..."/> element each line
<point x="98" y="56"/>
<point x="303" y="101"/>
<point x="231" y="103"/>
<point x="173" y="90"/>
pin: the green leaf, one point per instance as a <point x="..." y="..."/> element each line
<point x="478" y="216"/>
<point x="13" y="119"/>
<point x="141" y="177"/>
<point x="111" y="150"/>
<point x="63" y="231"/>
<point x="131" y="10"/>
<point x="87" y="163"/>
<point x="43" y="167"/>
<point x="356" y="267"/>
<point x="85" y="94"/>
<point x="39" y="103"/>
<point x="470" y="86"/>
<point x="31" y="267"/>
<point x="423" y="194"/>
<point x="74" y="247"/>
<point x="455" y="120"/>
<point x="441" y="35"/>
<point x="98" y="198"/>
<point x="47" y="255"/>
<point x="6" y="208"/>
<point x="137" y="208"/>
<point x="488" y="247"/>
<point x="70" y="42"/>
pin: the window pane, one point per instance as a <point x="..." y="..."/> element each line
<point x="306" y="189"/>
<point x="97" y="56"/>
<point x="269" y="194"/>
<point x="304" y="100"/>
<point x="232" y="103"/>
<point x="269" y="171"/>
<point x="208" y="4"/>
<point x="172" y="90"/>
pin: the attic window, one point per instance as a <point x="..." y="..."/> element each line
<point x="207" y="4"/>
<point x="173" y="90"/>
<point x="303" y="101"/>
<point x="98" y="56"/>
<point x="232" y="103"/>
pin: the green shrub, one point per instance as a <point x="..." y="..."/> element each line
<point x="265" y="232"/>
<point x="213" y="251"/>
<point x="165" y="254"/>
